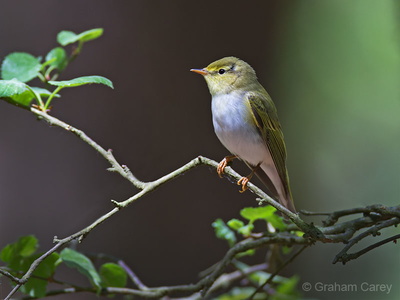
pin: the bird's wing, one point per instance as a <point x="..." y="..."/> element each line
<point x="266" y="119"/>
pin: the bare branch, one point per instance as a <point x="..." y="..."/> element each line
<point x="374" y="230"/>
<point x="377" y="216"/>
<point x="133" y="276"/>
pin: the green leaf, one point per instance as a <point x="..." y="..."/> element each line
<point x="113" y="275"/>
<point x="20" y="65"/>
<point x="256" y="213"/>
<point x="90" y="34"/>
<point x="286" y="249"/>
<point x="266" y="213"/>
<point x="276" y="221"/>
<point x="11" y="87"/>
<point x="223" y="232"/>
<point x="249" y="252"/>
<point x="235" y="224"/>
<point x="239" y="226"/>
<point x="82" y="81"/>
<point x="68" y="37"/>
<point x="246" y="230"/>
<point x="18" y="93"/>
<point x="36" y="287"/>
<point x="58" y="58"/>
<point x="24" y="247"/>
<point x="288" y="288"/>
<point x="26" y="98"/>
<point x="82" y="263"/>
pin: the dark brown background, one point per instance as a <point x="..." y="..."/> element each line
<point x="158" y="118"/>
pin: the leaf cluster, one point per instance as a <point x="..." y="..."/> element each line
<point x="19" y="256"/>
<point x="19" y="68"/>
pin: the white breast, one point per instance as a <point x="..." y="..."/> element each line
<point x="231" y="125"/>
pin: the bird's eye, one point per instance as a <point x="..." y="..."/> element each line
<point x="221" y="71"/>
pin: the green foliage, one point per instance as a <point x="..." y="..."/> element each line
<point x="21" y="249"/>
<point x="37" y="284"/>
<point x="18" y="68"/>
<point x="281" y="288"/>
<point x="21" y="66"/>
<point x="113" y="275"/>
<point x="13" y="87"/>
<point x="57" y="58"/>
<point x="266" y="213"/>
<point x="240" y="293"/>
<point x="82" y="263"/>
<point x="82" y="81"/>
<point x="68" y="37"/>
<point x="20" y="255"/>
<point x="252" y="214"/>
<point x="223" y="232"/>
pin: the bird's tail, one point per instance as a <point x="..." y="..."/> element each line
<point x="277" y="190"/>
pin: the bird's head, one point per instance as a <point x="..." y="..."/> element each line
<point x="227" y="75"/>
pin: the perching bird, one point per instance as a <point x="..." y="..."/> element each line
<point x="246" y="122"/>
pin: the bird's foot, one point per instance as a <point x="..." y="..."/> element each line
<point x="243" y="182"/>
<point x="222" y="165"/>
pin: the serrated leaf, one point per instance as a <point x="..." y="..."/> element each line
<point x="20" y="65"/>
<point x="11" y="87"/>
<point x="82" y="81"/>
<point x="113" y="275"/>
<point x="68" y="37"/>
<point x="82" y="263"/>
<point x="222" y="231"/>
<point x="58" y="58"/>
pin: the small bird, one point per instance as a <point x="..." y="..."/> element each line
<point x="246" y="122"/>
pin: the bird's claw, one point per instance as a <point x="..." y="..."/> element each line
<point x="243" y="182"/>
<point x="222" y="165"/>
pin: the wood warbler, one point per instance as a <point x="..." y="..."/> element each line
<point x="246" y="122"/>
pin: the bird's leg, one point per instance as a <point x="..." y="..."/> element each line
<point x="244" y="180"/>
<point x="222" y="165"/>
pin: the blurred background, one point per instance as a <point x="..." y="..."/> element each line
<point x="332" y="68"/>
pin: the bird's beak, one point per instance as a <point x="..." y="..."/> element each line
<point x="200" y="71"/>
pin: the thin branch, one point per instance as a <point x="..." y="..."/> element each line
<point x="133" y="276"/>
<point x="312" y="233"/>
<point x="368" y="210"/>
<point x="355" y="255"/>
<point x="269" y="280"/>
<point x="225" y="279"/>
<point x="343" y="257"/>
<point x="9" y="275"/>
<point x="107" y="154"/>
